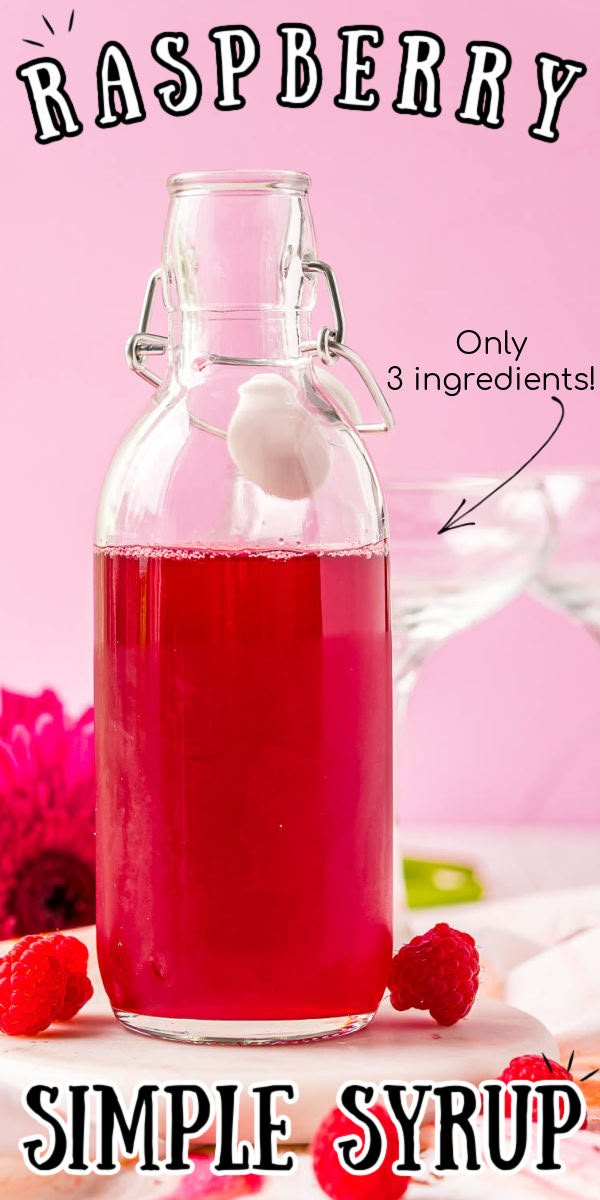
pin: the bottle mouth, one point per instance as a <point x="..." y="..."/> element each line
<point x="196" y="182"/>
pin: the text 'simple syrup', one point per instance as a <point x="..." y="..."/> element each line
<point x="242" y="704"/>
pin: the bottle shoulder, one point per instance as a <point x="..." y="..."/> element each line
<point x="275" y="472"/>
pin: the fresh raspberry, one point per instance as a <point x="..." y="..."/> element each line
<point x="32" y="987"/>
<point x="336" y="1181"/>
<point x="73" y="956"/>
<point x="438" y="971"/>
<point x="77" y="993"/>
<point x="535" y="1068"/>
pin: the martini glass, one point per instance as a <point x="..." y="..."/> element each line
<point x="570" y="577"/>
<point x="441" y="583"/>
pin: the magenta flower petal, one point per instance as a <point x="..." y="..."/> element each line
<point x="18" y="709"/>
<point x="79" y="754"/>
<point x="47" y="797"/>
<point x="9" y="770"/>
<point x="20" y="740"/>
<point x="48" y="741"/>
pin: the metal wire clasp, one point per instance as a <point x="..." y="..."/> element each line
<point x="329" y="345"/>
<point x="142" y="343"/>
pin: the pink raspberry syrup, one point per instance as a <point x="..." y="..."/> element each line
<point x="243" y="734"/>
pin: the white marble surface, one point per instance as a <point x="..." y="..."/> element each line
<point x="95" y="1047"/>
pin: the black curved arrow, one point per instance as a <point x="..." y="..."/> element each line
<point x="452" y="523"/>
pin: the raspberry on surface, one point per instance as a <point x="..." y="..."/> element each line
<point x="73" y="956"/>
<point x="32" y="987"/>
<point x="535" y="1068"/>
<point x="72" y="953"/>
<point x="338" y="1183"/>
<point x="77" y="993"/>
<point x="437" y="971"/>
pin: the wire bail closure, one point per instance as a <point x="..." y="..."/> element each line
<point x="328" y="345"/>
<point x="142" y="343"/>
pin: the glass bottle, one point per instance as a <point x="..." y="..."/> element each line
<point x="242" y="649"/>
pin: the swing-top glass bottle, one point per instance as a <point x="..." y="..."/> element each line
<point x="242" y="654"/>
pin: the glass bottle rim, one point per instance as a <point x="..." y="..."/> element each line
<point x="197" y="182"/>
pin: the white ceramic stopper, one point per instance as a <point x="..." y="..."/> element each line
<point x="275" y="442"/>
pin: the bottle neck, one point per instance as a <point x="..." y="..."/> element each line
<point x="233" y="266"/>
<point x="249" y="334"/>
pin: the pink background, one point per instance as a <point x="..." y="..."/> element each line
<point x="433" y="227"/>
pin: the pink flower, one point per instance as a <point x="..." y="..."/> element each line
<point x="47" y="799"/>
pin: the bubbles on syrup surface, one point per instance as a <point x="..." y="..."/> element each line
<point x="184" y="553"/>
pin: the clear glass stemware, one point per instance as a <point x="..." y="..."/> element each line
<point x="570" y="576"/>
<point x="442" y="583"/>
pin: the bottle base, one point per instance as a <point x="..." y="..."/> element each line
<point x="242" y="1033"/>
